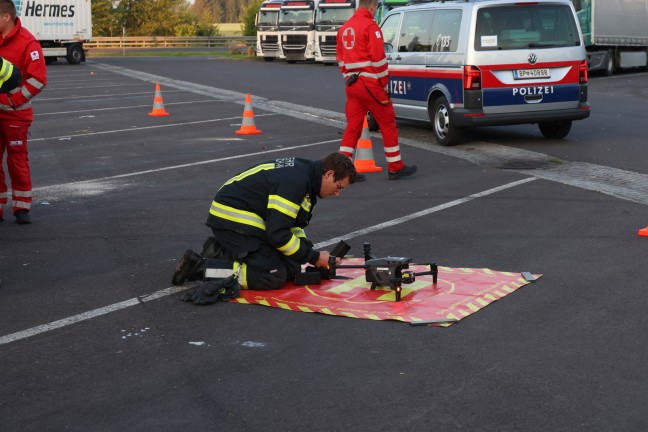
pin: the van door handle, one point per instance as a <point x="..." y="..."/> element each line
<point x="398" y="58"/>
<point x="388" y="58"/>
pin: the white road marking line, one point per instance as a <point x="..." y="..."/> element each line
<point x="74" y="185"/>
<point x="172" y="290"/>
<point x="124" y="107"/>
<point x="144" y="128"/>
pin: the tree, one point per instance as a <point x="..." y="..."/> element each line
<point x="248" y="28"/>
<point x="103" y="18"/>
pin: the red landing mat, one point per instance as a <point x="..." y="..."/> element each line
<point x="459" y="292"/>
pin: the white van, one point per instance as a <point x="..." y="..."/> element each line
<point x="485" y="63"/>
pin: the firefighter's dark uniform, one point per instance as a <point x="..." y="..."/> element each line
<point x="258" y="218"/>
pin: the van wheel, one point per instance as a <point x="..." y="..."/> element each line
<point x="268" y="58"/>
<point x="372" y="123"/>
<point x="555" y="130"/>
<point x="445" y="132"/>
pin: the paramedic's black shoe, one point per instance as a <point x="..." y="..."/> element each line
<point x="187" y="268"/>
<point x="360" y="178"/>
<point x="211" y="249"/>
<point x="406" y="171"/>
<point x="213" y="291"/>
<point x="22" y="217"/>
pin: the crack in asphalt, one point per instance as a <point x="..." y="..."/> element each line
<point x="622" y="184"/>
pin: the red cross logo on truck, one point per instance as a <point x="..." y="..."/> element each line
<point x="348" y="38"/>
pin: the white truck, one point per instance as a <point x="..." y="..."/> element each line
<point x="615" y="33"/>
<point x="297" y="27"/>
<point x="330" y="16"/>
<point x="267" y="27"/>
<point x="61" y="26"/>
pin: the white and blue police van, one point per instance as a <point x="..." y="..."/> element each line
<point x="485" y="63"/>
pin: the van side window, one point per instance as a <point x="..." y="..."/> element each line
<point x="517" y="27"/>
<point x="389" y="29"/>
<point x="444" y="34"/>
<point x="415" y="32"/>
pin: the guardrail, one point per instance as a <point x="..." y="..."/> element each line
<point x="170" y="42"/>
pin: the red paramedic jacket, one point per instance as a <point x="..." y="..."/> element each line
<point x="360" y="50"/>
<point x="24" y="51"/>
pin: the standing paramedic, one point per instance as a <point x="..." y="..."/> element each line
<point x="258" y="218"/>
<point x="19" y="47"/>
<point x="362" y="61"/>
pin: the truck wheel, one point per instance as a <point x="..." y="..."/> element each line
<point x="609" y="65"/>
<point x="555" y="130"/>
<point x="49" y="60"/>
<point x="372" y="123"/>
<point x="75" y="54"/>
<point x="445" y="132"/>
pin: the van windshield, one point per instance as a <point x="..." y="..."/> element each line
<point x="525" y="26"/>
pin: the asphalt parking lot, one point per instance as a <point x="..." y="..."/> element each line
<point x="94" y="337"/>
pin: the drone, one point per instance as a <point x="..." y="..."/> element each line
<point x="390" y="272"/>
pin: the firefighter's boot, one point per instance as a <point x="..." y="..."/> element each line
<point x="212" y="249"/>
<point x="191" y="267"/>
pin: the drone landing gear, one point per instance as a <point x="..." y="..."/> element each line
<point x="389" y="271"/>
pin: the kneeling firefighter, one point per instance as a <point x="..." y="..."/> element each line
<point x="257" y="219"/>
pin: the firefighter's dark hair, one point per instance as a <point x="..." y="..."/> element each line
<point x="8" y="6"/>
<point x="341" y="165"/>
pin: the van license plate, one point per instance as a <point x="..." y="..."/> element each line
<point x="531" y="73"/>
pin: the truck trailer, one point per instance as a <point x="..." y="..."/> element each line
<point x="615" y="33"/>
<point x="61" y="26"/>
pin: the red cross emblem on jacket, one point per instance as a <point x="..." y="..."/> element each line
<point x="348" y="38"/>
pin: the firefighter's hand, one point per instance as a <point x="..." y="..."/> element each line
<point x="323" y="260"/>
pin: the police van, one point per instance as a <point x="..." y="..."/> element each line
<point x="486" y="63"/>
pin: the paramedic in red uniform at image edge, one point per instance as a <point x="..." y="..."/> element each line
<point x="361" y="57"/>
<point x="21" y="48"/>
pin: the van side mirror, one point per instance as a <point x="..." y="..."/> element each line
<point x="388" y="47"/>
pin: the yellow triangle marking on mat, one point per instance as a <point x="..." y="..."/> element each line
<point x="372" y="316"/>
<point x="481" y="301"/>
<point x="327" y="311"/>
<point x="349" y="314"/>
<point x="472" y="307"/>
<point x="304" y="309"/>
<point x="263" y="302"/>
<point x="283" y="306"/>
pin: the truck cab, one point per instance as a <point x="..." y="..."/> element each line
<point x="330" y="16"/>
<point x="297" y="27"/>
<point x="267" y="26"/>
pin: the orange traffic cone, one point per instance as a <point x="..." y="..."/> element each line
<point x="364" y="160"/>
<point x="643" y="232"/>
<point x="247" y="125"/>
<point x="158" y="105"/>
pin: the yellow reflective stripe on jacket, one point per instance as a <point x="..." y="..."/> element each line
<point x="283" y="205"/>
<point x="235" y="215"/>
<point x="251" y="171"/>
<point x="291" y="247"/>
<point x="6" y="71"/>
<point x="298" y="232"/>
<point x="242" y="274"/>
<point x="306" y="204"/>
